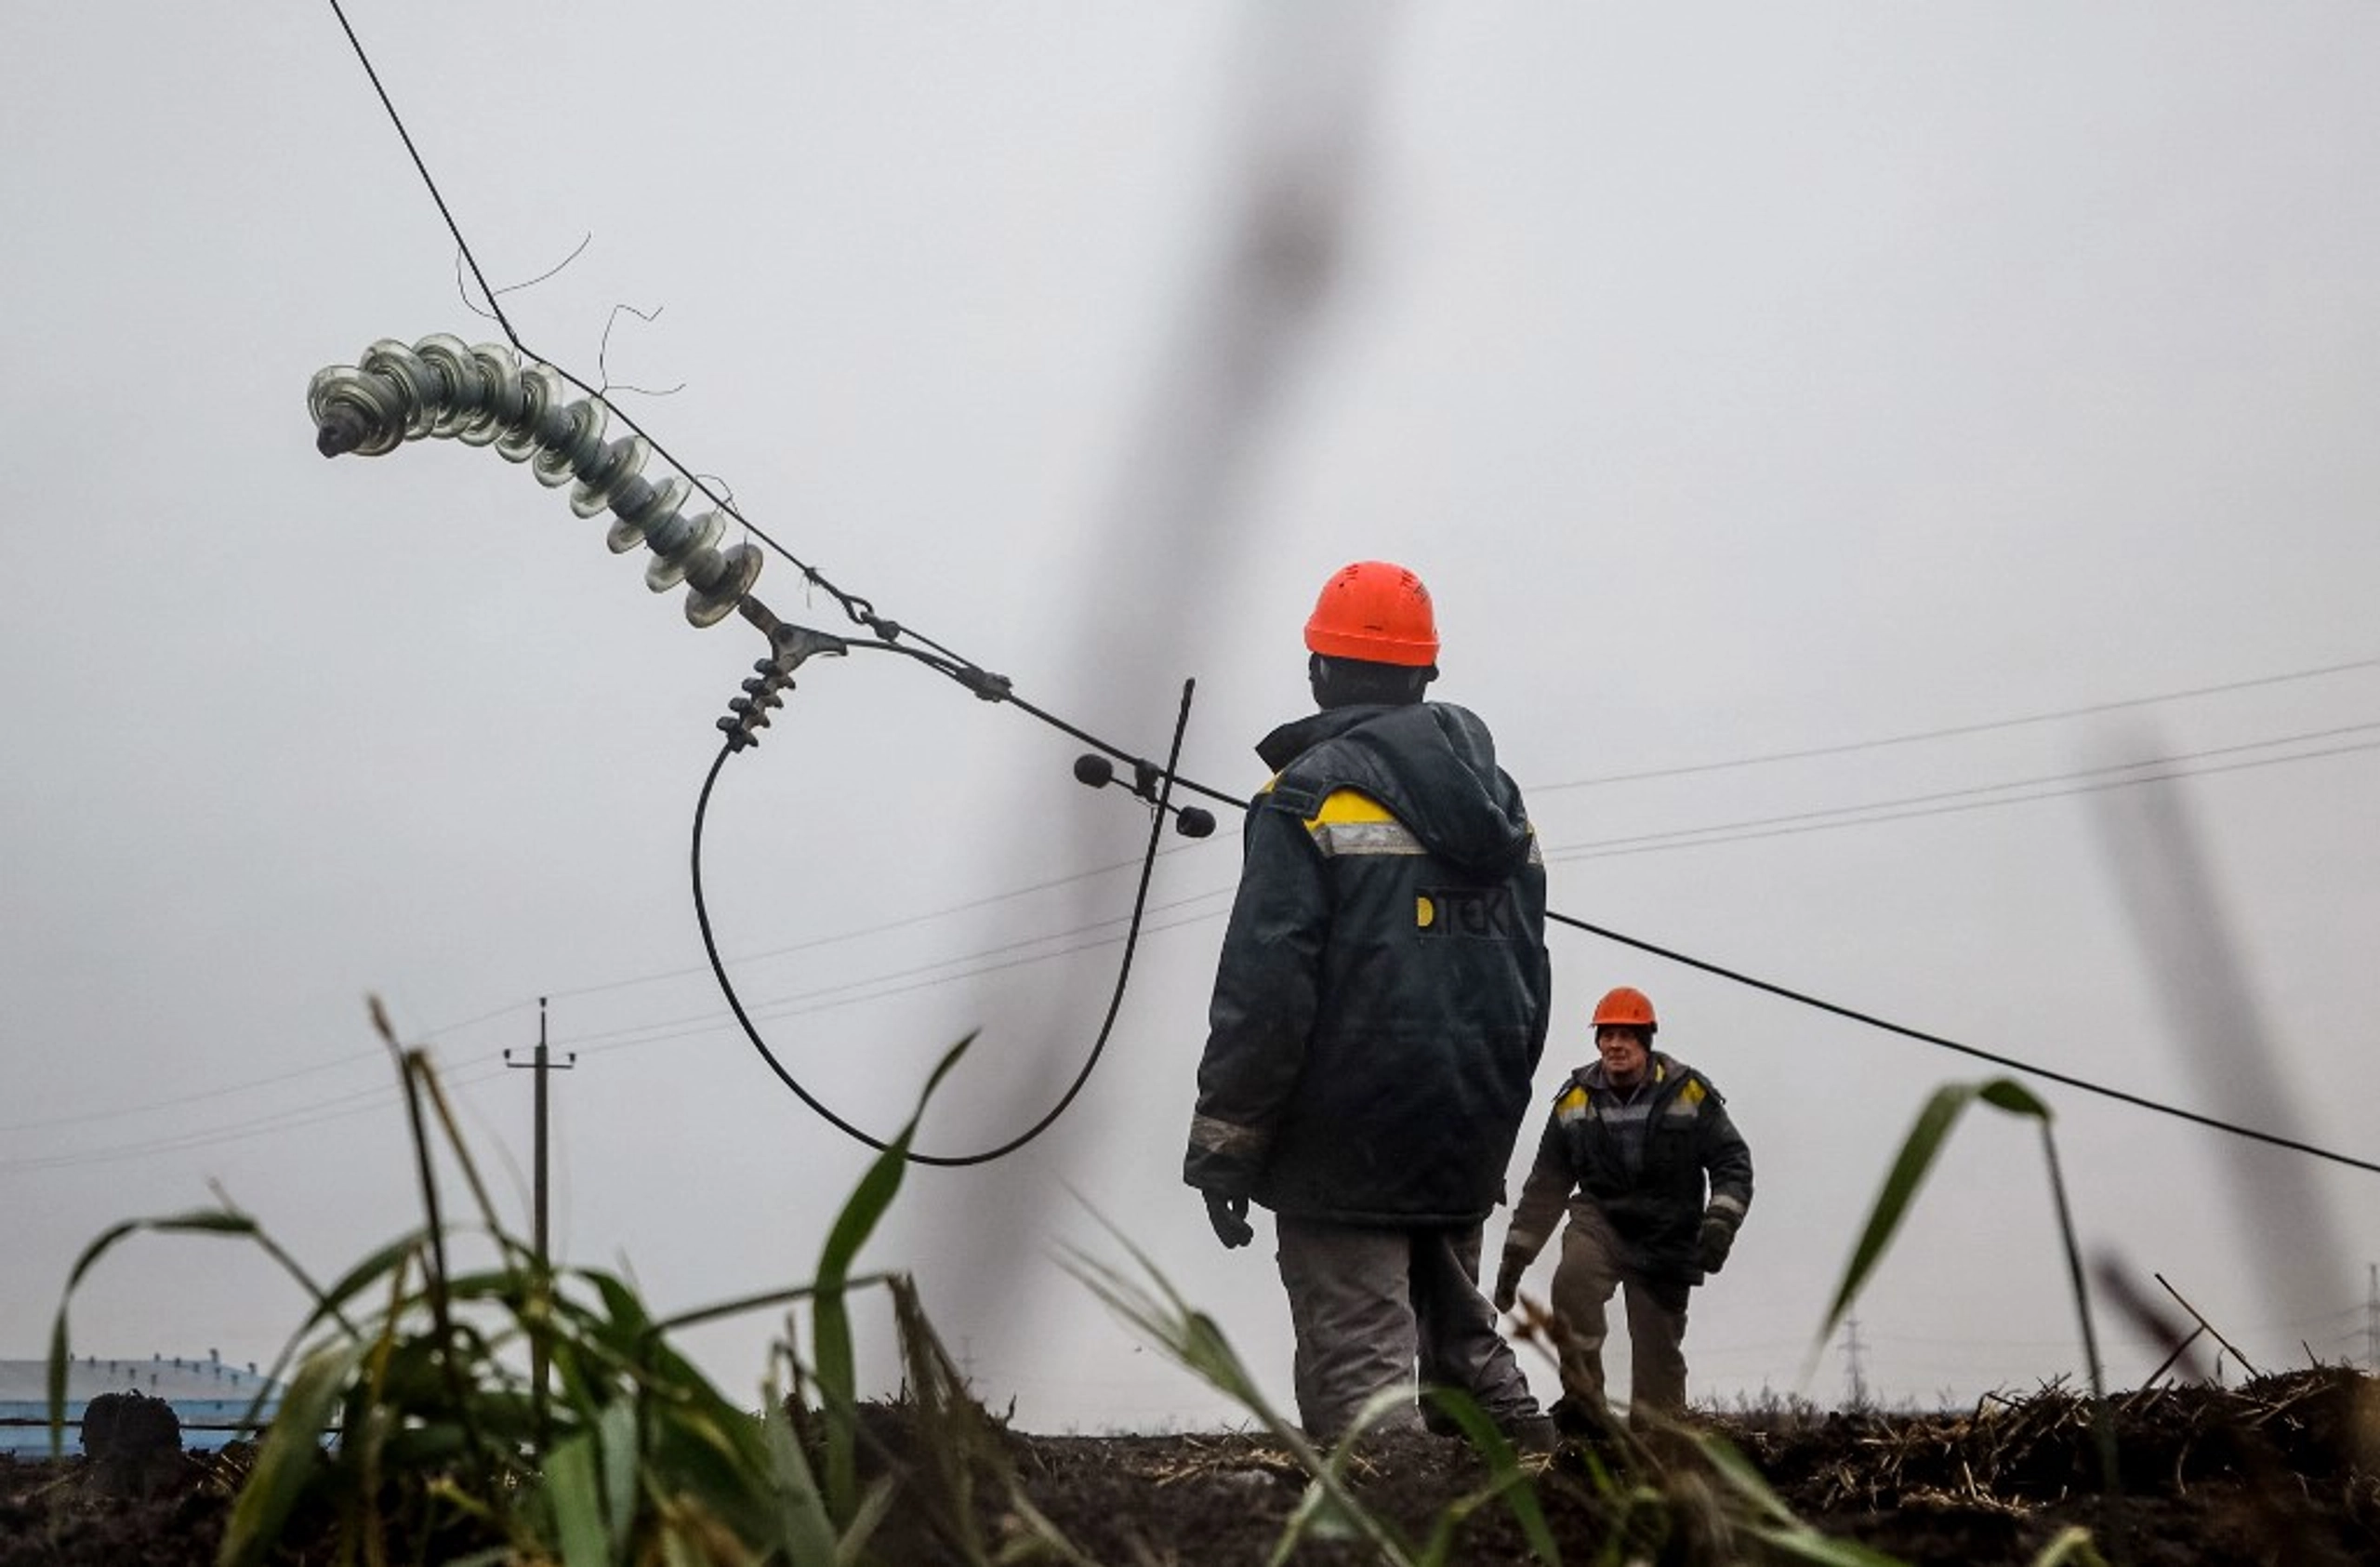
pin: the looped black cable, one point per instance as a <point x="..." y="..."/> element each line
<point x="1106" y="1027"/>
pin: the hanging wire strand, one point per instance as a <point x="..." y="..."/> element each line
<point x="484" y="312"/>
<point x="996" y="688"/>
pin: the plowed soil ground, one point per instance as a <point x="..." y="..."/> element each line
<point x="2283" y="1470"/>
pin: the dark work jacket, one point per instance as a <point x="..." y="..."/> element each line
<point x="1657" y="1210"/>
<point x="1382" y="999"/>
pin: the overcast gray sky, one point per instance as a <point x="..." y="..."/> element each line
<point x="1744" y="380"/>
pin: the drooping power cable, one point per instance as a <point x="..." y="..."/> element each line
<point x="1106" y="1027"/>
<point x="1872" y="1021"/>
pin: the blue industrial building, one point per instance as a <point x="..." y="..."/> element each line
<point x="209" y="1396"/>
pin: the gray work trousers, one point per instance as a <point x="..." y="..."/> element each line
<point x="1594" y="1265"/>
<point x="1370" y="1305"/>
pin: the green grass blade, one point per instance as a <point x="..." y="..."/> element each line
<point x="2072" y="1547"/>
<point x="577" y="1499"/>
<point x="389" y="1261"/>
<point x="199" y="1221"/>
<point x="1909" y="1172"/>
<point x="369" y="1273"/>
<point x="2008" y="1094"/>
<point x="617" y="1434"/>
<point x="1802" y="1543"/>
<point x="1776" y="1523"/>
<point x="1039" y="1540"/>
<point x="1318" y="1516"/>
<point x="291" y="1451"/>
<point x="202" y="1221"/>
<point x="873" y="1509"/>
<point x="1507" y="1478"/>
<point x="1192" y="1338"/>
<point x="804" y="1531"/>
<point x="831" y="1316"/>
<point x="1748" y="1481"/>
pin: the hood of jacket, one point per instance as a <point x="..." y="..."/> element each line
<point x="1432" y="764"/>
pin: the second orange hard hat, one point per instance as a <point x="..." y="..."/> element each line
<point x="1625" y="1007"/>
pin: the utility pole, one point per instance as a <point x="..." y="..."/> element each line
<point x="1851" y="1348"/>
<point x="542" y="1064"/>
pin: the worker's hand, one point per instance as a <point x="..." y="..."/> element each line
<point x="1718" y="1238"/>
<point x="1508" y="1281"/>
<point x="1229" y="1216"/>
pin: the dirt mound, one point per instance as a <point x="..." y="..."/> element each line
<point x="2284" y="1470"/>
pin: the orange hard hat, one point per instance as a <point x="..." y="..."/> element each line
<point x="1376" y="611"/>
<point x="1625" y="1007"/>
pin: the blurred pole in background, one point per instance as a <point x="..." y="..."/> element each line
<point x="2221" y="1031"/>
<point x="1151" y="580"/>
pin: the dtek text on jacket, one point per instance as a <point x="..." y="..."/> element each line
<point x="1382" y="995"/>
<point x="1680" y="1122"/>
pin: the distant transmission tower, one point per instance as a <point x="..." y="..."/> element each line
<point x="1851" y="1349"/>
<point x="2372" y="1322"/>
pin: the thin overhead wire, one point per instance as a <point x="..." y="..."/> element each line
<point x="902" y="981"/>
<point x="177" y="1100"/>
<point x="1909" y="806"/>
<point x="834" y="938"/>
<point x="291" y="1118"/>
<point x="924" y="977"/>
<point x="1870" y="813"/>
<point x="1953" y="731"/>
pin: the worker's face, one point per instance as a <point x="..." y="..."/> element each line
<point x="1626" y="1055"/>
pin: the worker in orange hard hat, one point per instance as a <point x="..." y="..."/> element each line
<point x="1657" y="1179"/>
<point x="1380" y="1009"/>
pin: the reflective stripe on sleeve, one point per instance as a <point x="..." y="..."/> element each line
<point x="1366" y="837"/>
<point x="1227" y="1138"/>
<point x="1352" y="822"/>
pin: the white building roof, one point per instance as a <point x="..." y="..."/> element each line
<point x="161" y="1376"/>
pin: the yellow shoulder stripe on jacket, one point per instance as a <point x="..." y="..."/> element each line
<point x="1692" y="1093"/>
<point x="1349" y="805"/>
